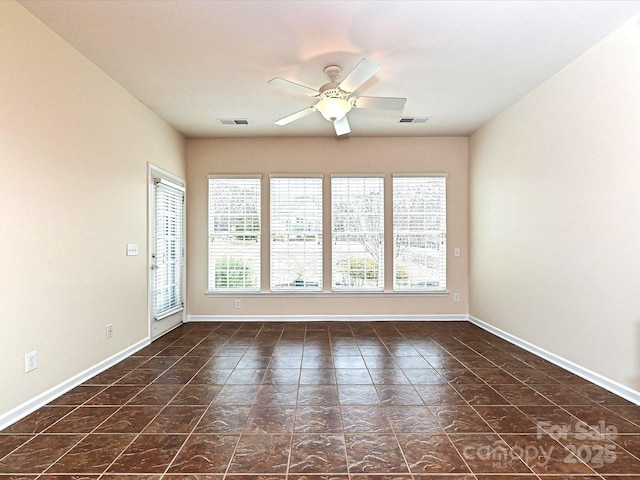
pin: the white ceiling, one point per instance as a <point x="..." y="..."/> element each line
<point x="458" y="62"/>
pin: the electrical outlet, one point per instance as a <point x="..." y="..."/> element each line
<point x="30" y="361"/>
<point x="110" y="330"/>
<point x="456" y="297"/>
<point x="238" y="304"/>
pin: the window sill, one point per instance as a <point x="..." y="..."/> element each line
<point x="363" y="293"/>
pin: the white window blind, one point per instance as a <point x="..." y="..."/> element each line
<point x="234" y="234"/>
<point x="357" y="229"/>
<point x="296" y="233"/>
<point x="419" y="233"/>
<point x="169" y="249"/>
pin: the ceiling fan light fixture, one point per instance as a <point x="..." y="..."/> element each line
<point x="333" y="109"/>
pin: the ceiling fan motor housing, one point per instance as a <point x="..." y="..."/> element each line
<point x="332" y="89"/>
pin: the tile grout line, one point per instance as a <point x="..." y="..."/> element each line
<point x="295" y="410"/>
<point x="235" y="449"/>
<point x="341" y="411"/>
<point x="106" y="470"/>
<point x="393" y="430"/>
<point x="136" y="436"/>
<point x="190" y="434"/>
<point x="445" y="342"/>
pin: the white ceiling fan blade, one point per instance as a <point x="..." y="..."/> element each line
<point x="342" y="126"/>
<point x="295" y="116"/>
<point x="359" y="75"/>
<point x="381" y="103"/>
<point x="295" y="87"/>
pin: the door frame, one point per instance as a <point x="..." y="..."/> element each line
<point x="157" y="328"/>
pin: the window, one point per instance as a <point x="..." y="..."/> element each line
<point x="168" y="251"/>
<point x="419" y="233"/>
<point x="296" y="233"/>
<point x="357" y="229"/>
<point x="234" y="234"/>
<point x="417" y="239"/>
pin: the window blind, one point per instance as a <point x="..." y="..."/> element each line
<point x="169" y="249"/>
<point x="234" y="234"/>
<point x="296" y="233"/>
<point x="357" y="229"/>
<point x="419" y="233"/>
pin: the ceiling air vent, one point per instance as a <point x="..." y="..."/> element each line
<point x="233" y="121"/>
<point x="414" y="119"/>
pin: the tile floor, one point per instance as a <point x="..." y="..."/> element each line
<point x="329" y="401"/>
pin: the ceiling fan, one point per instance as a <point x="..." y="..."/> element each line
<point x="335" y="99"/>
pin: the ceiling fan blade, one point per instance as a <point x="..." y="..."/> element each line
<point x="295" y="87"/>
<point x="382" y="103"/>
<point x="342" y="126"/>
<point x="359" y="75"/>
<point x="295" y="116"/>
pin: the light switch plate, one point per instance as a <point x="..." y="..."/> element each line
<point x="30" y="361"/>
<point x="132" y="249"/>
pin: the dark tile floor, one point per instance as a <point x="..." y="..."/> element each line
<point x="329" y="401"/>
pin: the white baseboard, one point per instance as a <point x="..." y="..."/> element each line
<point x="327" y="318"/>
<point x="29" y="406"/>
<point x="604" y="382"/>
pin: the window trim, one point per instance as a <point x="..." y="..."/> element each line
<point x="326" y="291"/>
<point x="395" y="289"/>
<point x="381" y="269"/>
<point x="294" y="289"/>
<point x="330" y="294"/>
<point x="234" y="291"/>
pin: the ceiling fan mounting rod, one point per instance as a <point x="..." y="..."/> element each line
<point x="332" y="72"/>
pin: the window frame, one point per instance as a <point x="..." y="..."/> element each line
<point x="315" y="229"/>
<point x="248" y="261"/>
<point x="264" y="284"/>
<point x="335" y="216"/>
<point x="441" y="233"/>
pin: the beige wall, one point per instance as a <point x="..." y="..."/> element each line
<point x="555" y="213"/>
<point x="554" y="222"/>
<point x="73" y="177"/>
<point x="326" y="156"/>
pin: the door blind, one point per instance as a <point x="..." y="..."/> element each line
<point x="169" y="249"/>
